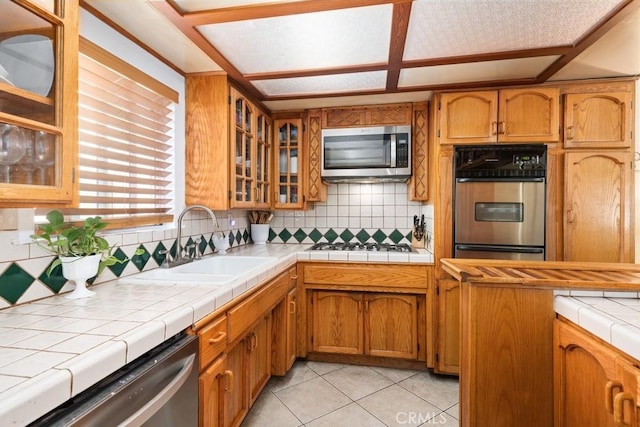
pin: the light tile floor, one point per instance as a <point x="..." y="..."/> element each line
<point x="317" y="394"/>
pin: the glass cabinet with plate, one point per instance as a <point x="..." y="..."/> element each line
<point x="288" y="168"/>
<point x="251" y="148"/>
<point x="38" y="102"/>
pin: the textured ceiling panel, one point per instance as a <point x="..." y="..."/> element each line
<point x="373" y="80"/>
<point x="507" y="69"/>
<point x="301" y="42"/>
<point x="617" y="53"/>
<point x="443" y="28"/>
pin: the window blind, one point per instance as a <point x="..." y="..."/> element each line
<point x="126" y="142"/>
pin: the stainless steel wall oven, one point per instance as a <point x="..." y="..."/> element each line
<point x="499" y="201"/>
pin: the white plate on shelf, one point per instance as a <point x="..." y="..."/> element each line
<point x="29" y="60"/>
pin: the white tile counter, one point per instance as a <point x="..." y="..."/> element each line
<point x="613" y="318"/>
<point x="54" y="348"/>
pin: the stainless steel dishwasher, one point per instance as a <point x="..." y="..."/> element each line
<point x="158" y="389"/>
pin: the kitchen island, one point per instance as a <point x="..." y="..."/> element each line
<point x="507" y="331"/>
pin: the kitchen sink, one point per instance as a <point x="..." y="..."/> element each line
<point x="214" y="270"/>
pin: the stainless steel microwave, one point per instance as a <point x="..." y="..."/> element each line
<point x="367" y="154"/>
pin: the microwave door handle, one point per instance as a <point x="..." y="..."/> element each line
<point x="392" y="149"/>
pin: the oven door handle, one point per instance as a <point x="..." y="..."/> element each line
<point x="497" y="248"/>
<point x="501" y="179"/>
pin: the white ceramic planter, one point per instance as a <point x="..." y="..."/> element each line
<point x="79" y="270"/>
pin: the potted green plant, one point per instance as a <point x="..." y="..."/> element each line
<point x="81" y="252"/>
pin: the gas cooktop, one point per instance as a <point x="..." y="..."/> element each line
<point x="371" y="247"/>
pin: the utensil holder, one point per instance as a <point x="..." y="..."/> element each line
<point x="259" y="233"/>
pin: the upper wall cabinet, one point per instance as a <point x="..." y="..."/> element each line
<point x="367" y="115"/>
<point x="509" y="115"/>
<point x="228" y="147"/>
<point x="288" y="170"/>
<point x="38" y="103"/>
<point x="598" y="120"/>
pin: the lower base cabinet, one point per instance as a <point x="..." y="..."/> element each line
<point x="363" y="323"/>
<point x="447" y="340"/>
<point x="595" y="384"/>
<point x="237" y="348"/>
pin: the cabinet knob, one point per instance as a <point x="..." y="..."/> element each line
<point x="569" y="135"/>
<point x="494" y="128"/>
<point x="229" y="386"/>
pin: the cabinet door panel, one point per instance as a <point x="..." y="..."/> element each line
<point x="448" y="335"/>
<point x="337" y="322"/>
<point x="212" y="386"/>
<point x="598" y="120"/>
<point x="236" y="403"/>
<point x="468" y="117"/>
<point x="527" y="115"/>
<point x="597" y="204"/>
<point x="259" y="347"/>
<point x="583" y="368"/>
<point x="391" y="325"/>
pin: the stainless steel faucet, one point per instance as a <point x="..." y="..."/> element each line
<point x="179" y="258"/>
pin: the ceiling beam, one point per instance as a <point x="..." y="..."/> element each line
<point x="270" y="10"/>
<point x="399" y="27"/>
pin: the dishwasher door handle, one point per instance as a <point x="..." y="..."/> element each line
<point x="158" y="401"/>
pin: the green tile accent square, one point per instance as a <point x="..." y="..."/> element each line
<point x="362" y="236"/>
<point x="346" y="235"/>
<point x="315" y="235"/>
<point x="379" y="236"/>
<point x="272" y="234"/>
<point x="284" y="235"/>
<point x="202" y="246"/>
<point x="409" y="236"/>
<point x="55" y="281"/>
<point x="118" y="268"/>
<point x="141" y="260"/>
<point x="232" y="238"/>
<point x="14" y="282"/>
<point x="330" y="235"/>
<point x="156" y="255"/>
<point x="245" y="235"/>
<point x="174" y="249"/>
<point x="239" y="237"/>
<point x="396" y="236"/>
<point x="300" y="235"/>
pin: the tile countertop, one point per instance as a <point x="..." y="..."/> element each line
<point x="613" y="318"/>
<point x="54" y="348"/>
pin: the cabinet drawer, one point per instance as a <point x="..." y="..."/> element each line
<point x="213" y="340"/>
<point x="253" y="308"/>
<point x="366" y="275"/>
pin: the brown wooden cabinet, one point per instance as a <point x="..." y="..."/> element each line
<point x="367" y="115"/>
<point x="39" y="115"/>
<point x="448" y="327"/>
<point x="508" y="115"/>
<point x="594" y="384"/>
<point x="419" y="183"/>
<point x="598" y="120"/>
<point x="238" y="347"/>
<point x="598" y="202"/>
<point x="228" y="147"/>
<point x="285" y="333"/>
<point x="373" y="324"/>
<point x="289" y="164"/>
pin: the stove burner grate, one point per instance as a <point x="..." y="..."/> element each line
<point x="356" y="246"/>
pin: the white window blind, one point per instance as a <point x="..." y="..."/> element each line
<point x="126" y="142"/>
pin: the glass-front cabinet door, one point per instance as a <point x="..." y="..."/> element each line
<point x="243" y="142"/>
<point x="288" y="167"/>
<point x="38" y="102"/>
<point x="263" y="160"/>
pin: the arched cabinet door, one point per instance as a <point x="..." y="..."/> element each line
<point x="598" y="120"/>
<point x="598" y="204"/>
<point x="468" y="117"/>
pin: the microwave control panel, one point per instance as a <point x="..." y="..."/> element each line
<point x="402" y="150"/>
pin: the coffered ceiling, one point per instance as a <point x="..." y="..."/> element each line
<point x="309" y="53"/>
